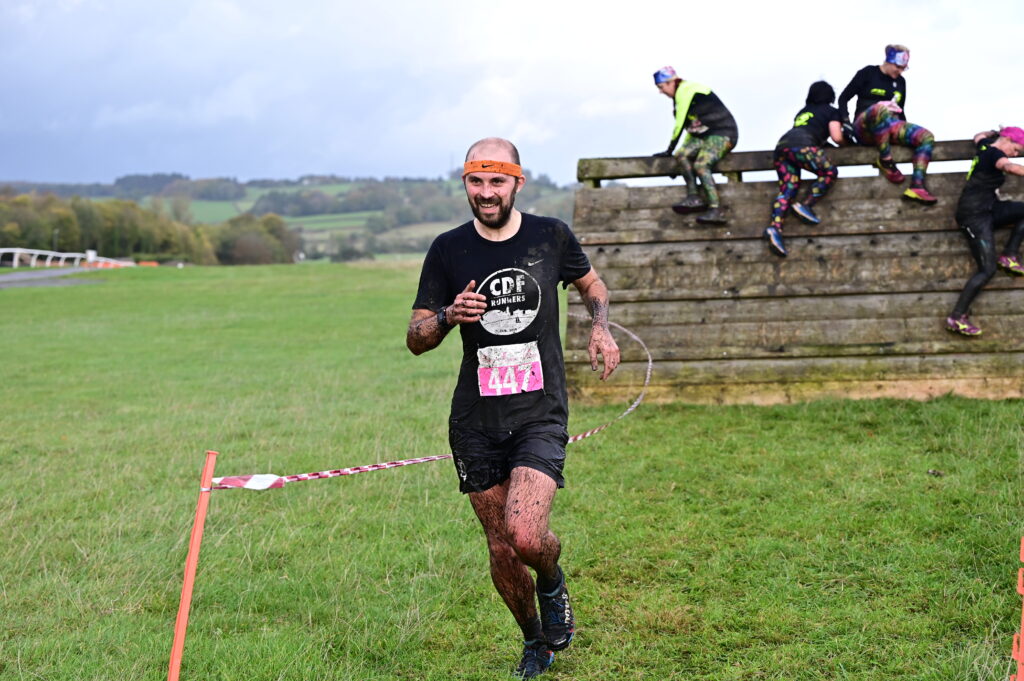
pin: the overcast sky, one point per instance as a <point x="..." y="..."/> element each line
<point x="96" y="89"/>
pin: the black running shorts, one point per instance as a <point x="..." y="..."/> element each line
<point x="485" y="458"/>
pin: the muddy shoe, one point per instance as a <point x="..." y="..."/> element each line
<point x="537" y="656"/>
<point x="712" y="216"/>
<point x="690" y="204"/>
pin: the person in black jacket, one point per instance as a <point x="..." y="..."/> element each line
<point x="979" y="211"/>
<point x="710" y="133"/>
<point x="802" y="147"/>
<point x="880" y="119"/>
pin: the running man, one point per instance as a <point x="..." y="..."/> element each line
<point x="803" y="148"/>
<point x="711" y="133"/>
<point x="496" y="278"/>
<point x="979" y="211"/>
<point x="880" y="119"/>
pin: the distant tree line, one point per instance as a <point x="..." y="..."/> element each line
<point x="117" y="228"/>
<point x="122" y="228"/>
<point x="135" y="187"/>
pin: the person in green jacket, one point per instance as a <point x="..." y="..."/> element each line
<point x="710" y="133"/>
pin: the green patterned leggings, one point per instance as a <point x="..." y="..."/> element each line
<point x="698" y="158"/>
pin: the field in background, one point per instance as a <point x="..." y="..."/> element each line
<point x="725" y="543"/>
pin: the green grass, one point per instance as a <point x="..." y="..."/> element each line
<point x="332" y="222"/>
<point x="217" y="211"/>
<point x="796" y="542"/>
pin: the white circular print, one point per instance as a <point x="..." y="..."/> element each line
<point x="513" y="301"/>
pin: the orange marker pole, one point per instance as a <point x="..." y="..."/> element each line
<point x="181" y="623"/>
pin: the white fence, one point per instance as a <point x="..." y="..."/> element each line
<point x="31" y="257"/>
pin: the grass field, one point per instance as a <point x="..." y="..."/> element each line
<point x="217" y="211"/>
<point x="332" y="222"/>
<point x="701" y="543"/>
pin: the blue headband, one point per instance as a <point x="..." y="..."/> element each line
<point x="664" y="74"/>
<point x="897" y="57"/>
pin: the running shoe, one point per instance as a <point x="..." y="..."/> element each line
<point x="556" y="617"/>
<point x="889" y="169"/>
<point x="1010" y="265"/>
<point x="775" y="241"/>
<point x="691" y="204"/>
<point x="537" y="657"/>
<point x="962" y="325"/>
<point x="806" y="214"/>
<point x="919" y="194"/>
<point x="712" y="216"/>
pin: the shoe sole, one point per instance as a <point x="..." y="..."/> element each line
<point x="1011" y="272"/>
<point x="686" y="210"/>
<point x="927" y="202"/>
<point x="712" y="222"/>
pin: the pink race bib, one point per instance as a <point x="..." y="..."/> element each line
<point x="509" y="369"/>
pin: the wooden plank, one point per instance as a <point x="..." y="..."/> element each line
<point x="625" y="385"/>
<point x="669" y="312"/>
<point x="831" y="338"/>
<point x="742" y="161"/>
<point x="838" y="265"/>
<point x="814" y="369"/>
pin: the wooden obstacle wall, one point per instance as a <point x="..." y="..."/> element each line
<point x="857" y="310"/>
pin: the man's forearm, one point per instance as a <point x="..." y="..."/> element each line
<point x="596" y="300"/>
<point x="425" y="333"/>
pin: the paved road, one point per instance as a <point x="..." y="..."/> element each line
<point x="48" y="276"/>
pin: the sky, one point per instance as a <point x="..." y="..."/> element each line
<point x="97" y="89"/>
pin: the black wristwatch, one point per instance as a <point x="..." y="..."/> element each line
<point x="442" y="318"/>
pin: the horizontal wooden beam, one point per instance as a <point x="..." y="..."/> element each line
<point x="592" y="170"/>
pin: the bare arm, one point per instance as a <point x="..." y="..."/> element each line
<point x="426" y="331"/>
<point x="982" y="135"/>
<point x="1009" y="167"/>
<point x="835" y="131"/>
<point x="595" y="297"/>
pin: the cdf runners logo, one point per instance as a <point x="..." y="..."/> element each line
<point x="513" y="301"/>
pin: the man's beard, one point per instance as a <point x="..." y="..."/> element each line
<point x="501" y="218"/>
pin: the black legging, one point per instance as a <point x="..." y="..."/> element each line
<point x="978" y="230"/>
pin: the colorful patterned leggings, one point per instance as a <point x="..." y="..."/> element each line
<point x="879" y="127"/>
<point x="704" y="153"/>
<point x="788" y="162"/>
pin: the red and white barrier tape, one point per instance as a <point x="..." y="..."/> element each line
<point x="262" y="481"/>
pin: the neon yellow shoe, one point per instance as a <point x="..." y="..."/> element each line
<point x="962" y="326"/>
<point x="919" y="194"/>
<point x="1010" y="265"/>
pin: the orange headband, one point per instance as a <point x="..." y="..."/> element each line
<point x="502" y="167"/>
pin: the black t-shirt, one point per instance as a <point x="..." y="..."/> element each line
<point x="512" y="369"/>
<point x="810" y="127"/>
<point x="983" y="179"/>
<point x="870" y="86"/>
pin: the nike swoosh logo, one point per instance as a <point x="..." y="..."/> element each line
<point x="486" y="165"/>
<point x="531" y="264"/>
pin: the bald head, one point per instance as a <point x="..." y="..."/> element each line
<point x="494" y="149"/>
